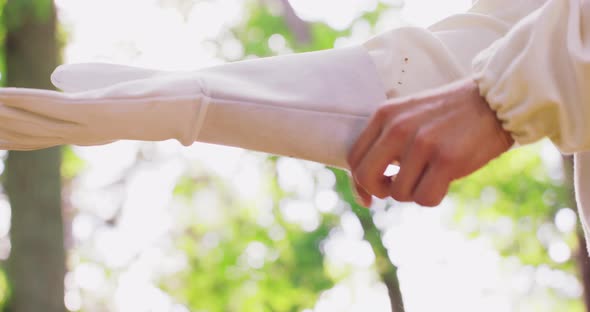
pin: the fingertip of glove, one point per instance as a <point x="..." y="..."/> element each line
<point x="57" y="77"/>
<point x="89" y="76"/>
<point x="74" y="77"/>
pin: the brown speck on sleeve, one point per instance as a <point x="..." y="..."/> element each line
<point x="391" y="94"/>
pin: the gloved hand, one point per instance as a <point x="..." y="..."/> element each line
<point x="310" y="106"/>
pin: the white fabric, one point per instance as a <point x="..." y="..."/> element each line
<point x="537" y="78"/>
<point x="310" y="106"/>
<point x="314" y="105"/>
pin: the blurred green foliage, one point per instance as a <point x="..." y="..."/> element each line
<point x="516" y="186"/>
<point x="514" y="201"/>
<point x="225" y="271"/>
<point x="4" y="290"/>
<point x="15" y="11"/>
<point x="72" y="164"/>
<point x="262" y="23"/>
<point x="2" y="43"/>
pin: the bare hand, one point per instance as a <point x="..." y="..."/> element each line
<point x="435" y="137"/>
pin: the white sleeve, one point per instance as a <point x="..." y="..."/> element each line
<point x="412" y="59"/>
<point x="311" y="105"/>
<point x="330" y="99"/>
<point x="537" y="78"/>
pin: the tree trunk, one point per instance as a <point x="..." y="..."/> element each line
<point x="36" y="266"/>
<point x="582" y="254"/>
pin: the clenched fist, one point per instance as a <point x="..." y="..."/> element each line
<point x="435" y="138"/>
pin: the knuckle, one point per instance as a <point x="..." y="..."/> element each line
<point x="402" y="127"/>
<point x="383" y="112"/>
<point x="424" y="142"/>
<point x="447" y="158"/>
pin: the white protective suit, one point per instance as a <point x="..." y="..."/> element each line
<point x="536" y="75"/>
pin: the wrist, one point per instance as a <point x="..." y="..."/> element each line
<point x="504" y="135"/>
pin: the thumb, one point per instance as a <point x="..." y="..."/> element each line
<point x="88" y="76"/>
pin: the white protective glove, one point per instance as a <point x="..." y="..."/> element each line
<point x="310" y="105"/>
